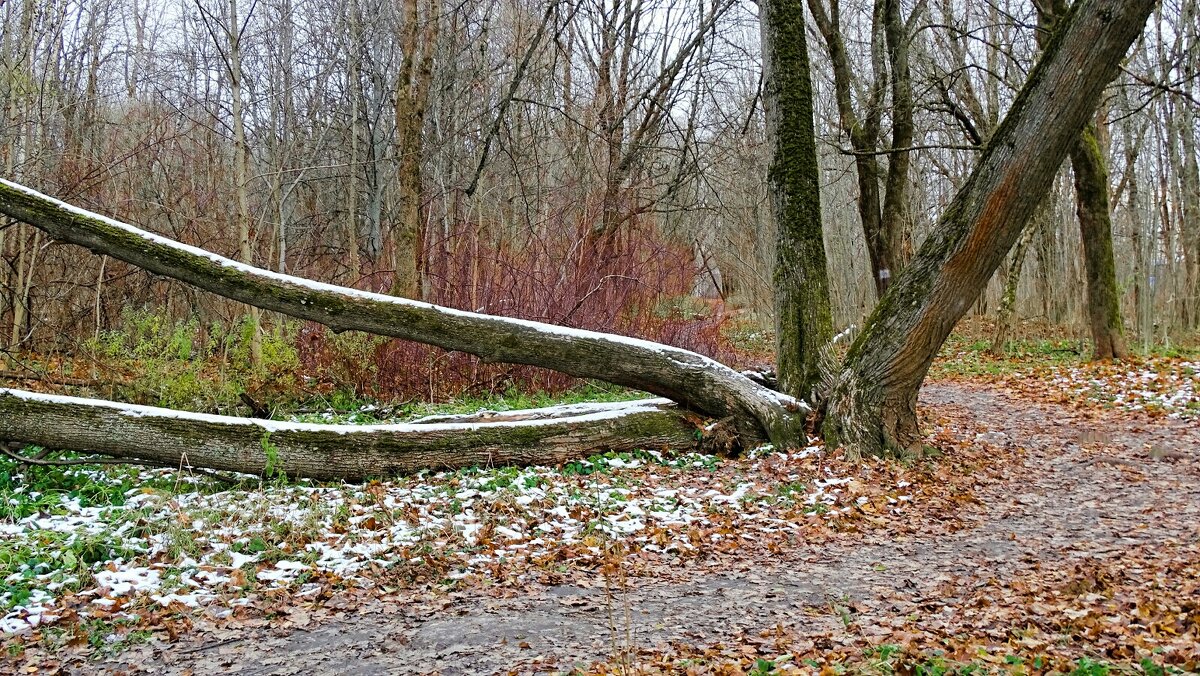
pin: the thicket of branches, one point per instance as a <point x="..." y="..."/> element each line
<point x="537" y="157"/>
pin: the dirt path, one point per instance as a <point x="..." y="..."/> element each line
<point x="1088" y="490"/>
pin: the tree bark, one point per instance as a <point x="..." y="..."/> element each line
<point x="1095" y="224"/>
<point x="896" y="210"/>
<point x="241" y="159"/>
<point x="691" y="379"/>
<point x="803" y="318"/>
<point x="1189" y="182"/>
<point x="1008" y="299"/>
<point x="269" y="448"/>
<point x="872" y="407"/>
<point x="412" y="102"/>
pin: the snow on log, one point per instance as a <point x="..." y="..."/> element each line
<point x="693" y="380"/>
<point x="171" y="438"/>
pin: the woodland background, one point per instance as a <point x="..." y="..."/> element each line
<point x="593" y="163"/>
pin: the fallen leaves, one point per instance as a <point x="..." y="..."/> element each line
<point x="1153" y="387"/>
<point x="437" y="545"/>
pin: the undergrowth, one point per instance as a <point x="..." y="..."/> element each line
<point x="202" y="366"/>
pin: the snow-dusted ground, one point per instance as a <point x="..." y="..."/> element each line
<point x="190" y="546"/>
<point x="1171" y="387"/>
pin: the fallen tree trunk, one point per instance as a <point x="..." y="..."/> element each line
<point x="268" y="448"/>
<point x="693" y="380"/>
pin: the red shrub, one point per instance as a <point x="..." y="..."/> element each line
<point x="625" y="282"/>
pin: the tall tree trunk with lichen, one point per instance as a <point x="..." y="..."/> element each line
<point x="871" y="408"/>
<point x="1095" y="222"/>
<point x="418" y="41"/>
<point x="803" y="317"/>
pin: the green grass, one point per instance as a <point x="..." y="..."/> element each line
<point x="969" y="355"/>
<point x="186" y="365"/>
<point x="966" y="357"/>
<point x="787" y="491"/>
<point x="25" y="491"/>
<point x="66" y="558"/>
<point x="197" y="366"/>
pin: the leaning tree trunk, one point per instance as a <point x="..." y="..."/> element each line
<point x="691" y="379"/>
<point x="1095" y="225"/>
<point x="804" y="320"/>
<point x="872" y="406"/>
<point x="268" y="448"/>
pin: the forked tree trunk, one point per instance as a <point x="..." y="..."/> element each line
<point x="693" y="380"/>
<point x="268" y="448"/>
<point x="884" y="217"/>
<point x="804" y="320"/>
<point x="872" y="406"/>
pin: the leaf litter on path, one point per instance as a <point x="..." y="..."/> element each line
<point x="718" y="565"/>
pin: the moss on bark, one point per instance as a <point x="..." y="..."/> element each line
<point x="326" y="452"/>
<point x="1095" y="225"/>
<point x="804" y="321"/>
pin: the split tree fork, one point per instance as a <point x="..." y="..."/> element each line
<point x="872" y="404"/>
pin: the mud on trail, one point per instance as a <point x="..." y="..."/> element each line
<point x="1084" y="546"/>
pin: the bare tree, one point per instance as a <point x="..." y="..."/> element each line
<point x="227" y="30"/>
<point x="883" y="215"/>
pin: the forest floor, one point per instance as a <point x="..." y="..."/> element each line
<point x="1059" y="531"/>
